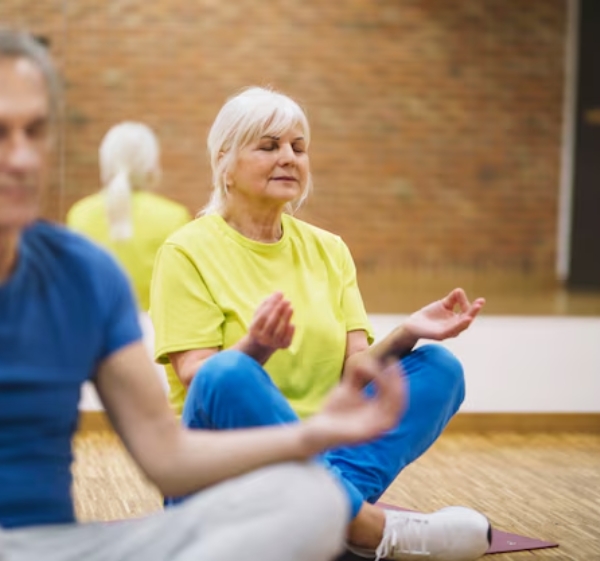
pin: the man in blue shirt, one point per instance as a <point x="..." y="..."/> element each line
<point x="67" y="315"/>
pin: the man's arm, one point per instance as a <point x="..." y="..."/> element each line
<point x="181" y="461"/>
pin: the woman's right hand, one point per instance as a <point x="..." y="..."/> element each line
<point x="271" y="328"/>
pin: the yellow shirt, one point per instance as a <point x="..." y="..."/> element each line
<point x="209" y="280"/>
<point x="154" y="219"/>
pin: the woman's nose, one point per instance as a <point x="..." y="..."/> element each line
<point x="286" y="154"/>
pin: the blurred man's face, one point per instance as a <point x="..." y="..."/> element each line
<point x="24" y="142"/>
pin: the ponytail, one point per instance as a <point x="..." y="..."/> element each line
<point x="119" y="207"/>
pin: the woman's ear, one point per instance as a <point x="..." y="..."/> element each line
<point x="225" y="161"/>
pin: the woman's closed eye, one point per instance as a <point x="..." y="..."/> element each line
<point x="297" y="148"/>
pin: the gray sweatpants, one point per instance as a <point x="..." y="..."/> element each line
<point x="287" y="512"/>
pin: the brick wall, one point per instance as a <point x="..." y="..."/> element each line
<point x="436" y="123"/>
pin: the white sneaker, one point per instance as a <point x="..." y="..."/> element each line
<point x="454" y="533"/>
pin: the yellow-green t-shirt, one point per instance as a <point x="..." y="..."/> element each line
<point x="155" y="218"/>
<point x="209" y="280"/>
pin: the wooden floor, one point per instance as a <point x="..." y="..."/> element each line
<point x="400" y="291"/>
<point x="542" y="485"/>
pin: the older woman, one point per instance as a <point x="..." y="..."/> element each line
<point x="125" y="216"/>
<point x="225" y="290"/>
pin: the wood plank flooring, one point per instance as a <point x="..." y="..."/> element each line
<point x="538" y="484"/>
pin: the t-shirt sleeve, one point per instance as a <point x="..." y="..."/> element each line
<point x="184" y="313"/>
<point x="120" y="312"/>
<point x="352" y="303"/>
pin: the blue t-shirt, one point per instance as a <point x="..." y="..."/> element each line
<point x="66" y="308"/>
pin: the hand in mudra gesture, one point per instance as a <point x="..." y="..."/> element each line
<point x="444" y="318"/>
<point x="351" y="416"/>
<point x="271" y="328"/>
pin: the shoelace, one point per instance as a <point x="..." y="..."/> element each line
<point x="407" y="536"/>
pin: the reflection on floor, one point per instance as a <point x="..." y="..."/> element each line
<point x="393" y="291"/>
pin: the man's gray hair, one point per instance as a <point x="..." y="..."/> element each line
<point x="21" y="44"/>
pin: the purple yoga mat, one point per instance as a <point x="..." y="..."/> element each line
<point x="502" y="542"/>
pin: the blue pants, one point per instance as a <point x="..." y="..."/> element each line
<point x="231" y="390"/>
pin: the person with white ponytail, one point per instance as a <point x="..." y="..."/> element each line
<point x="225" y="290"/>
<point x="126" y="217"/>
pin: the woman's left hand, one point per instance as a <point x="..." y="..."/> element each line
<point x="439" y="320"/>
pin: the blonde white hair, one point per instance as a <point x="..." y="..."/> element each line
<point x="129" y="159"/>
<point x="246" y="117"/>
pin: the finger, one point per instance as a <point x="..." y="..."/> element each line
<point x="276" y="315"/>
<point x="263" y="314"/>
<point x="268" y="303"/>
<point x="460" y="298"/>
<point x="273" y="299"/>
<point x="476" y="307"/>
<point x="460" y="325"/>
<point x="450" y="300"/>
<point x="391" y="396"/>
<point x="464" y="321"/>
<point x="288" y="337"/>
<point x="260" y="317"/>
<point x="283" y="321"/>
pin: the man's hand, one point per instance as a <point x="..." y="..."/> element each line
<point x="439" y="321"/>
<point x="349" y="416"/>
<point x="271" y="329"/>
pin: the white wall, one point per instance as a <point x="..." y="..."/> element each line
<point x="512" y="363"/>
<point x="526" y="364"/>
